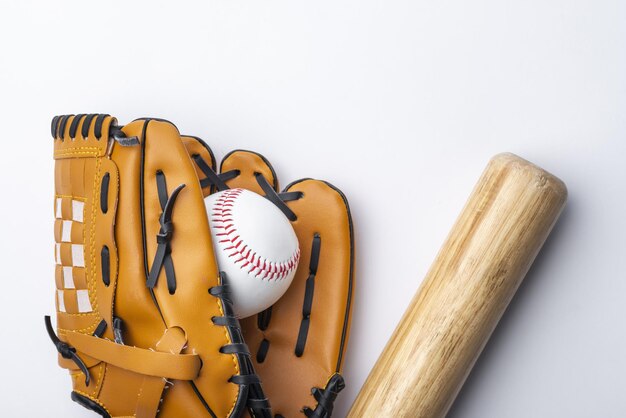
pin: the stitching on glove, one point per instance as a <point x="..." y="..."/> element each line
<point x="91" y="283"/>
<point x="80" y="314"/>
<point x="90" y="328"/>
<point x="69" y="196"/>
<point x="77" y="151"/>
<point x="99" y="380"/>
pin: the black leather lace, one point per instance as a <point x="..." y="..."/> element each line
<point x="307" y="304"/>
<point x="163" y="256"/>
<point x="59" y="123"/>
<point x="277" y="198"/>
<point x="249" y="381"/>
<point x="67" y="351"/>
<point x="212" y="178"/>
<point x="325" y="398"/>
<point x="95" y="120"/>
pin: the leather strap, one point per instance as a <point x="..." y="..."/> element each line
<point x="138" y="360"/>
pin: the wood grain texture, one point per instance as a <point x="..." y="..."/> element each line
<point x="480" y="266"/>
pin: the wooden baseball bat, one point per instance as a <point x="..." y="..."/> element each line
<point x="480" y="266"/>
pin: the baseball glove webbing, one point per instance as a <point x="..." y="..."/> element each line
<point x="145" y="324"/>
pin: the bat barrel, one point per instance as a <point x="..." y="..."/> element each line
<point x="488" y="252"/>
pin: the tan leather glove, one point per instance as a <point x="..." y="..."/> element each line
<point x="298" y="344"/>
<point x="144" y="323"/>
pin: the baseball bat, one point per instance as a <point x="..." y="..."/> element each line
<point x="489" y="250"/>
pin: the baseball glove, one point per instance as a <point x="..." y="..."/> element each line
<point x="144" y="322"/>
<point x="145" y="325"/>
<point x="298" y="344"/>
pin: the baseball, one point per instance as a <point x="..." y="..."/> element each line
<point x="255" y="245"/>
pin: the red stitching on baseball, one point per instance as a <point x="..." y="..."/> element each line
<point x="222" y="213"/>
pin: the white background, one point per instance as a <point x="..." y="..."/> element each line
<point x="398" y="103"/>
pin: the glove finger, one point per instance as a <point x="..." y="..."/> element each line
<point x="211" y="182"/>
<point x="299" y="343"/>
<point x="193" y="264"/>
<point x="248" y="165"/>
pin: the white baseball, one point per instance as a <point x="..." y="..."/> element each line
<point x="255" y="246"/>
